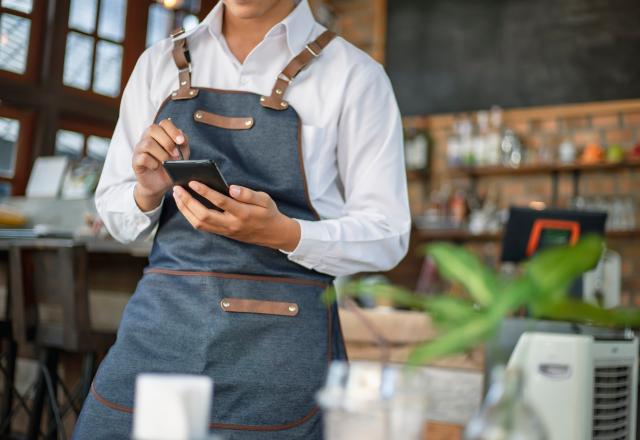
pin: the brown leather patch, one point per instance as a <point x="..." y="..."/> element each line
<point x="237" y="305"/>
<point x="228" y="122"/>
<point x="442" y="431"/>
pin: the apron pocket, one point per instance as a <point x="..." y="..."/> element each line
<point x="237" y="305"/>
<point x="220" y="121"/>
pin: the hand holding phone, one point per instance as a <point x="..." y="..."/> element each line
<point x="204" y="171"/>
<point x="160" y="142"/>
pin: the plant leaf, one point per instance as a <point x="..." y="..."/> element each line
<point x="457" y="264"/>
<point x="578" y="311"/>
<point x="553" y="269"/>
<point x="457" y="340"/>
<point x="447" y="311"/>
<point x="400" y="296"/>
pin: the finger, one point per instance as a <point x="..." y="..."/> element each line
<point x="190" y="216"/>
<point x="246" y="195"/>
<point x="198" y="209"/>
<point x="223" y="202"/>
<point x="145" y="161"/>
<point x="163" y="139"/>
<point x="156" y="150"/>
<point x="174" y="132"/>
<point x="200" y="221"/>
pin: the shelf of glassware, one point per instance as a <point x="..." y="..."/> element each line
<point x="542" y="168"/>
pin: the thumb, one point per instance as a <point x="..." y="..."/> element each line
<point x="246" y="195"/>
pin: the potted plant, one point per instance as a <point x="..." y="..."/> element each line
<point x="463" y="323"/>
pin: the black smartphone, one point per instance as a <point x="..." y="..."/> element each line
<point x="204" y="171"/>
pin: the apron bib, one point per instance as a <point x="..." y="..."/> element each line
<point x="242" y="314"/>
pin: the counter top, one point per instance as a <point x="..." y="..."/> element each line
<point x="93" y="244"/>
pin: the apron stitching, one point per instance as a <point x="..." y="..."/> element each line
<point x="232" y="426"/>
<point x="237" y="276"/>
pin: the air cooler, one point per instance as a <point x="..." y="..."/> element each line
<point x="583" y="388"/>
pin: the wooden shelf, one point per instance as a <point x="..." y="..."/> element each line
<point x="542" y="168"/>
<point x="417" y="175"/>
<point x="455" y="235"/>
<point x="463" y="235"/>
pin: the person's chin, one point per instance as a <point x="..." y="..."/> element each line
<point x="246" y="9"/>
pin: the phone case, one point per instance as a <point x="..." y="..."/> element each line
<point x="204" y="171"/>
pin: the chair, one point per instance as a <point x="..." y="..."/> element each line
<point x="50" y="309"/>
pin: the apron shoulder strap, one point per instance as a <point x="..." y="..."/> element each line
<point x="299" y="62"/>
<point x="182" y="58"/>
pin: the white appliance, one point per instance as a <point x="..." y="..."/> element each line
<point x="583" y="388"/>
<point x="601" y="286"/>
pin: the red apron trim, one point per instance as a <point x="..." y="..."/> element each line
<point x="236" y="276"/>
<point x="291" y="425"/>
<point x="109" y="404"/>
<point x="295" y="423"/>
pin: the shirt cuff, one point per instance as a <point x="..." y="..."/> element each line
<point x="312" y="244"/>
<point x="152" y="215"/>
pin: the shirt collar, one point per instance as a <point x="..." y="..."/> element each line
<point x="297" y="25"/>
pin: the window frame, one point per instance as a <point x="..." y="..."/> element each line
<point x="124" y="74"/>
<point x="34" y="48"/>
<point x="86" y="129"/>
<point x="23" y="152"/>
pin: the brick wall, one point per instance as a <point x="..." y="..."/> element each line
<point x="604" y="123"/>
<point x="362" y="22"/>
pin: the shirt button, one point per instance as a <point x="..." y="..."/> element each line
<point x="244" y="80"/>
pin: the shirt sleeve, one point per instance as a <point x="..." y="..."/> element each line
<point x="114" y="195"/>
<point x="372" y="234"/>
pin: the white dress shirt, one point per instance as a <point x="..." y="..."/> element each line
<point x="352" y="141"/>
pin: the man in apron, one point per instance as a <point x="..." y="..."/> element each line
<point x="306" y="129"/>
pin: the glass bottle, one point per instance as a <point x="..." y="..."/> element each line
<point x="511" y="149"/>
<point x="505" y="415"/>
<point x="480" y="137"/>
<point x="494" y="136"/>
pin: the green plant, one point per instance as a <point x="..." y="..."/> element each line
<point x="541" y="287"/>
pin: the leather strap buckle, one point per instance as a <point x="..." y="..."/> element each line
<point x="176" y="33"/>
<point x="315" y="52"/>
<point x="284" y="77"/>
<point x="186" y="69"/>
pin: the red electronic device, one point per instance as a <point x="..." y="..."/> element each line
<point x="546" y="232"/>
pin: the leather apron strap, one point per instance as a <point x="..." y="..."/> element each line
<point x="182" y="58"/>
<point x="310" y="52"/>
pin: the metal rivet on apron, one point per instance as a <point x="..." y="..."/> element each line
<point x="183" y="83"/>
<point x="248" y="122"/>
<point x="191" y="92"/>
<point x="198" y="115"/>
<point x="174" y="94"/>
<point x="225" y="304"/>
<point x="292" y="308"/>
<point x="278" y="92"/>
<point x="283" y="104"/>
<point x="262" y="99"/>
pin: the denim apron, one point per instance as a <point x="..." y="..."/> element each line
<point x="243" y="314"/>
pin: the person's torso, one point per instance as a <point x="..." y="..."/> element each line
<point x="317" y="96"/>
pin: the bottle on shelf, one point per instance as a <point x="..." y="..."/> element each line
<point x="465" y="128"/>
<point x="505" y="414"/>
<point x="494" y="136"/>
<point x="453" y="145"/>
<point x="567" y="151"/>
<point x="480" y="138"/>
<point x="511" y="147"/>
<point x="416" y="146"/>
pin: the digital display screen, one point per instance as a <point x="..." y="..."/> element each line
<point x="553" y="237"/>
